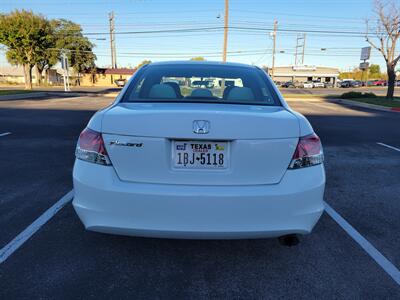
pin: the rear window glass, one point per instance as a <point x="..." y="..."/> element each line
<point x="201" y="83"/>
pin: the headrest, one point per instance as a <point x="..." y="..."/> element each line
<point x="240" y="93"/>
<point x="227" y="90"/>
<point x="176" y="88"/>
<point x="201" y="93"/>
<point x="163" y="91"/>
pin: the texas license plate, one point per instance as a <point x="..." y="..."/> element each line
<point x="200" y="154"/>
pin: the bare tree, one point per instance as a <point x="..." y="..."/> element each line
<point x="386" y="35"/>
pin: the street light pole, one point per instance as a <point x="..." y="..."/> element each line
<point x="225" y="31"/>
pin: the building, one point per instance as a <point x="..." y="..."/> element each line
<point x="15" y="75"/>
<point x="105" y="76"/>
<point x="305" y="73"/>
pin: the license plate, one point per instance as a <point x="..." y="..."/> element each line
<point x="200" y="154"/>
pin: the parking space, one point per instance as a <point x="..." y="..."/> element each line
<point x="362" y="186"/>
<point x="37" y="157"/>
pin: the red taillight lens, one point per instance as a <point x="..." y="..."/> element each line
<point x="91" y="147"/>
<point x="308" y="152"/>
<point x="91" y="140"/>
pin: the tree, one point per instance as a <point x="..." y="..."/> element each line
<point x="199" y="58"/>
<point x="45" y="61"/>
<point x="79" y="50"/>
<point x="387" y="34"/>
<point x="27" y="36"/>
<point x="356" y="74"/>
<point x="144" y="62"/>
<point x="374" y="69"/>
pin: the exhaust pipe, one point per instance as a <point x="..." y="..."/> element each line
<point x="289" y="240"/>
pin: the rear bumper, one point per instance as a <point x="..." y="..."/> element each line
<point x="106" y="204"/>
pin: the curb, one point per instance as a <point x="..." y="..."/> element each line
<point x="35" y="95"/>
<point x="23" y="96"/>
<point x="366" y="105"/>
<point x="111" y="95"/>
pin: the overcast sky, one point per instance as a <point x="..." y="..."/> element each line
<point x="334" y="26"/>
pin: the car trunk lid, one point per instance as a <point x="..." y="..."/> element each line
<point x="140" y="139"/>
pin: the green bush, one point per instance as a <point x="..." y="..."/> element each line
<point x="370" y="95"/>
<point x="353" y="95"/>
<point x="350" y="95"/>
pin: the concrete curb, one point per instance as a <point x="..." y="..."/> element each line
<point x="23" y="96"/>
<point x="111" y="95"/>
<point x="35" y="95"/>
<point x="366" y="105"/>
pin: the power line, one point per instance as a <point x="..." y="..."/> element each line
<point x="239" y="28"/>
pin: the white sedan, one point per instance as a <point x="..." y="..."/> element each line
<point x="173" y="159"/>
<point x="308" y="85"/>
<point x="318" y="84"/>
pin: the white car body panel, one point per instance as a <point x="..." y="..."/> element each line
<point x="308" y="85"/>
<point x="154" y="160"/>
<point x="260" y="148"/>
<point x="175" y="120"/>
<point x="106" y="204"/>
<point x="318" y="84"/>
<point x="142" y="195"/>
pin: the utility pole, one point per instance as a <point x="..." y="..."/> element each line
<point x="112" y="41"/>
<point x="274" y="48"/>
<point x="300" y="43"/>
<point x="225" y="30"/>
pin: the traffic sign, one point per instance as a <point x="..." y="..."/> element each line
<point x="365" y="53"/>
<point x="364" y="66"/>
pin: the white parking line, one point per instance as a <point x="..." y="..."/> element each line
<point x="381" y="260"/>
<point x="21" y="238"/>
<point x="388" y="146"/>
<point x="5" y="133"/>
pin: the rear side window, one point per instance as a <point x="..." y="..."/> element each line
<point x="201" y="83"/>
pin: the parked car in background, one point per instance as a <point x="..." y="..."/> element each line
<point x="288" y="84"/>
<point x="379" y="82"/>
<point x="318" y="84"/>
<point x="120" y="82"/>
<point x="308" y="85"/>
<point x="350" y="84"/>
<point x="345" y="84"/>
<point x="397" y="83"/>
<point x="159" y="163"/>
<point x="328" y="85"/>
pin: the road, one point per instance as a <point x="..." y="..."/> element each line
<point x="315" y="91"/>
<point x="64" y="261"/>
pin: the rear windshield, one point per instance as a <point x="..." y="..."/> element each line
<point x="201" y="83"/>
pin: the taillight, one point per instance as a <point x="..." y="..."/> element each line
<point x="91" y="148"/>
<point x="308" y="152"/>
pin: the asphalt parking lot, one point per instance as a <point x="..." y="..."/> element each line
<point x="62" y="260"/>
<point x="377" y="90"/>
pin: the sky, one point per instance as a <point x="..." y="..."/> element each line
<point x="334" y="29"/>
